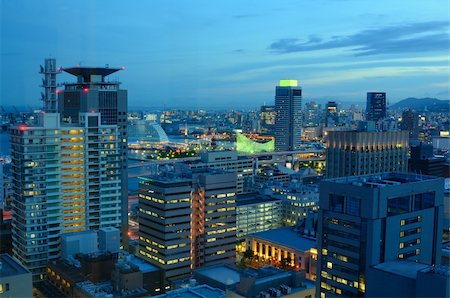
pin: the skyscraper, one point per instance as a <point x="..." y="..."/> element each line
<point x="187" y="220"/>
<point x="376" y="106"/>
<point x="351" y="153"/>
<point x="93" y="92"/>
<point x="331" y="114"/>
<point x="288" y="121"/>
<point x="371" y="219"/>
<point x="65" y="179"/>
<point x="410" y="123"/>
<point x="267" y="119"/>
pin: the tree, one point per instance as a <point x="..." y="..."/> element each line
<point x="248" y="254"/>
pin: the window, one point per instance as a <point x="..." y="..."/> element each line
<point x="337" y="203"/>
<point x="424" y="200"/>
<point x="398" y="205"/>
<point x="353" y="206"/>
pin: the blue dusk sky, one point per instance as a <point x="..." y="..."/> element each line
<point x="205" y="54"/>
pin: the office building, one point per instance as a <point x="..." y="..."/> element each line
<point x="187" y="220"/>
<point x="376" y="106"/>
<point x="372" y="219"/>
<point x="288" y="121"/>
<point x="65" y="179"/>
<point x="403" y="278"/>
<point x="351" y="153"/>
<point x="257" y="213"/>
<point x="298" y="200"/>
<point x="410" y="123"/>
<point x="267" y="119"/>
<point x="312" y="114"/>
<point x="94" y="92"/>
<point x="15" y="279"/>
<point x="228" y="161"/>
<point x="331" y="114"/>
<point x="423" y="161"/>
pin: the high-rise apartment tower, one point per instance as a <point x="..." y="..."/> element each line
<point x="66" y="178"/>
<point x="94" y="92"/>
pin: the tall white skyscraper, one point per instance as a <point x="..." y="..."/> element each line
<point x="288" y="121"/>
<point x="66" y="178"/>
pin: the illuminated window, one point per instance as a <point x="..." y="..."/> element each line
<point x="329" y="265"/>
<point x="402" y="244"/>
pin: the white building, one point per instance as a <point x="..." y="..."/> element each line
<point x="66" y="178"/>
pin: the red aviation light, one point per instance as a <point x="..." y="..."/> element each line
<point x="86" y="90"/>
<point x="23" y="127"/>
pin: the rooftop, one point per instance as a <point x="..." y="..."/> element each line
<point x="11" y="267"/>
<point x="201" y="291"/>
<point x="382" y="179"/>
<point x="221" y="273"/>
<point x="248" y="199"/>
<point x="86" y="72"/>
<point x="287" y="237"/>
<point x="143" y="266"/>
<point x="403" y="268"/>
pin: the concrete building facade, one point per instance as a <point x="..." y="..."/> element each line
<point x="351" y="153"/>
<point x="371" y="219"/>
<point x="187" y="221"/>
<point x="15" y="279"/>
<point x="228" y="161"/>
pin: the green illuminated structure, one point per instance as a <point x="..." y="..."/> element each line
<point x="245" y="145"/>
<point x="288" y="83"/>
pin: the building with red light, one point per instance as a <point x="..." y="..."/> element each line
<point x="66" y="178"/>
<point x="93" y="91"/>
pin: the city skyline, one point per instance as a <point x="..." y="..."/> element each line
<point x="228" y="55"/>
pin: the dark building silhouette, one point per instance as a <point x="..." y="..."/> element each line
<point x="376" y="106"/>
<point x="423" y="161"/>
<point x="410" y="122"/>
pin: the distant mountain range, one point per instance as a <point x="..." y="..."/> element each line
<point x="422" y="104"/>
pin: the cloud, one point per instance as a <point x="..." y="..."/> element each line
<point x="416" y="37"/>
<point x="245" y="16"/>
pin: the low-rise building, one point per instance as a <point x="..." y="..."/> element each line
<point x="285" y="246"/>
<point x="257" y="213"/>
<point x="200" y="291"/>
<point x="403" y="278"/>
<point x="15" y="279"/>
<point x="262" y="282"/>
